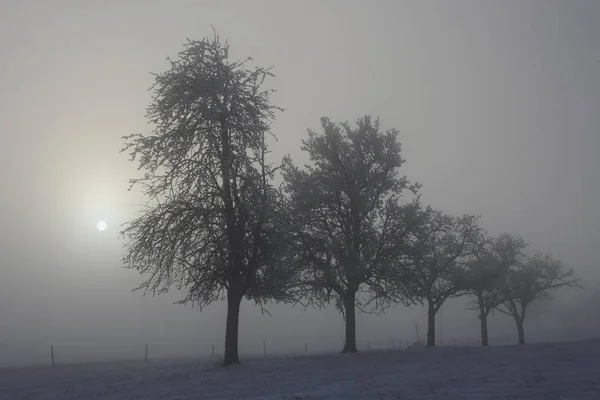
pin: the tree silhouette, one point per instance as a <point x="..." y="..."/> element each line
<point x="438" y="244"/>
<point x="535" y="278"/>
<point x="345" y="209"/>
<point x="214" y="227"/>
<point x="486" y="273"/>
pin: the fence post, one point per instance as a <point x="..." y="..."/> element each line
<point x="213" y="350"/>
<point x="52" y="356"/>
<point x="265" y="347"/>
<point x="369" y="345"/>
<point x="146" y="353"/>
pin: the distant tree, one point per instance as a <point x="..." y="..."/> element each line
<point x="214" y="227"/>
<point x="486" y="273"/>
<point x="535" y="278"/>
<point x="345" y="208"/>
<point x="438" y="245"/>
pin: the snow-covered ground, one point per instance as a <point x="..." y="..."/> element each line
<point x="553" y="371"/>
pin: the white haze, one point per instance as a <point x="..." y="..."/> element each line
<point x="497" y="104"/>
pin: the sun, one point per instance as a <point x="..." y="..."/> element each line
<point x="101" y="225"/>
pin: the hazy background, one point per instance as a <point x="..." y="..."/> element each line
<point x="498" y="104"/>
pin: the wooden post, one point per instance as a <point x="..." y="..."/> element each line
<point x="52" y="356"/>
<point x="213" y="350"/>
<point x="265" y="347"/>
<point x="146" y="354"/>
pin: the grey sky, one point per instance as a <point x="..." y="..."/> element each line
<point x="498" y="104"/>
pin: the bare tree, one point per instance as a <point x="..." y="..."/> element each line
<point x="213" y="227"/>
<point x="345" y="207"/>
<point x="437" y="246"/>
<point x="486" y="273"/>
<point x="535" y="278"/>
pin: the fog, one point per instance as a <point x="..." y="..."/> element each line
<point x="497" y="104"/>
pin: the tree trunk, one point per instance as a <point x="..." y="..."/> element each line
<point x="431" y="325"/>
<point x="233" y="294"/>
<point x="521" y="330"/>
<point x="483" y="320"/>
<point x="350" y="314"/>
<point x="484" y="329"/>
<point x="232" y="328"/>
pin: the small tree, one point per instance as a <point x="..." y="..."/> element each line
<point x="214" y="227"/>
<point x="345" y="208"/>
<point x="486" y="273"/>
<point x="437" y="245"/>
<point x="536" y="278"/>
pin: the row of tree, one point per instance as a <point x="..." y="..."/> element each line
<point x="346" y="228"/>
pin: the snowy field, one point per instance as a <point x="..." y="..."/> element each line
<point x="554" y="371"/>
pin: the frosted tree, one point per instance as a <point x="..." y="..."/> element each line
<point x="438" y="246"/>
<point x="214" y="227"/>
<point x="533" y="279"/>
<point x="486" y="272"/>
<point x="345" y="207"/>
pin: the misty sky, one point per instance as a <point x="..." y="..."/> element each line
<point x="497" y="102"/>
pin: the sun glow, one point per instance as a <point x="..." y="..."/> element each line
<point x="101" y="225"/>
